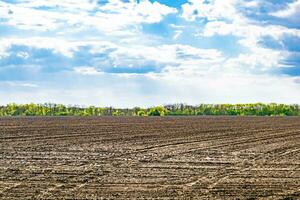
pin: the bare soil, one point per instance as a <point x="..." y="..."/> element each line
<point x="150" y="158"/>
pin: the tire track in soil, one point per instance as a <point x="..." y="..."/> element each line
<point x="152" y="157"/>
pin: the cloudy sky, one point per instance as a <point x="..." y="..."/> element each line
<point x="128" y="53"/>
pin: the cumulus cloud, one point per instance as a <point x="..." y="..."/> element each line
<point x="229" y="18"/>
<point x="292" y="11"/>
<point x="54" y="15"/>
<point x="59" y="55"/>
<point x="57" y="45"/>
<point x="87" y="52"/>
<point x="211" y="10"/>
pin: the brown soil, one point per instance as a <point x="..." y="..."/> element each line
<point x="150" y="158"/>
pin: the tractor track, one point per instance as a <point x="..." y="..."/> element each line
<point x="150" y="158"/>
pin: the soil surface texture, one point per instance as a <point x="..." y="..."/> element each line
<point x="150" y="158"/>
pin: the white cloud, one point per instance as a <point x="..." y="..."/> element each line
<point x="58" y="45"/>
<point x="15" y="84"/>
<point x="23" y="55"/>
<point x="177" y="26"/>
<point x="218" y="28"/>
<point x="29" y="19"/>
<point x="144" y="90"/>
<point x="167" y="56"/>
<point x="29" y="85"/>
<point x="3" y="52"/>
<point x="250" y="4"/>
<point x="226" y="18"/>
<point x="177" y="34"/>
<point x="291" y="12"/>
<point x="120" y="55"/>
<point x="110" y="35"/>
<point x="213" y="10"/>
<point x="224" y="84"/>
<point x="247" y="29"/>
<point x="67" y="14"/>
<point x="258" y="61"/>
<point x="115" y="15"/>
<point x="66" y="5"/>
<point x="87" y="71"/>
<point x="250" y="35"/>
<point x="170" y="53"/>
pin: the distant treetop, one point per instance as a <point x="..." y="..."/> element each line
<point x="50" y="109"/>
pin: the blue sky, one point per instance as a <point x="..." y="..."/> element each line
<point x="127" y="53"/>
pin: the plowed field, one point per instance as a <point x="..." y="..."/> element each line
<point x="150" y="158"/>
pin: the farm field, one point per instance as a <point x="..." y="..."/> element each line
<point x="150" y="158"/>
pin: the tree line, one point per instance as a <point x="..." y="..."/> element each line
<point x="50" y="109"/>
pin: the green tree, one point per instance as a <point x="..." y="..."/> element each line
<point x="157" y="111"/>
<point x="141" y="113"/>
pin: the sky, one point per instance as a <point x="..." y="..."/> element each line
<point x="127" y="53"/>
